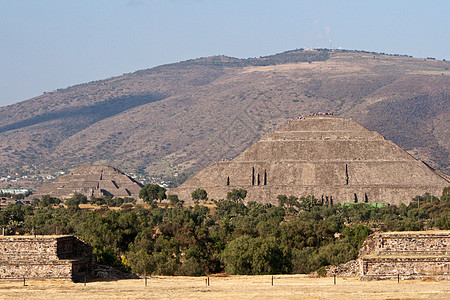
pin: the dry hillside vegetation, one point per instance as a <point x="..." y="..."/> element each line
<point x="183" y="116"/>
<point x="233" y="287"/>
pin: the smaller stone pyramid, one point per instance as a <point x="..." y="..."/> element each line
<point x="92" y="181"/>
<point x="332" y="158"/>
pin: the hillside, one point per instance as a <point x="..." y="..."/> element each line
<point x="183" y="116"/>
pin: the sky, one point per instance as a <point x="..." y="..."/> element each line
<point x="50" y="44"/>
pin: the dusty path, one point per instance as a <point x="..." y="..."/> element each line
<point x="232" y="287"/>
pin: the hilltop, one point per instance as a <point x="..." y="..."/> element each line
<point x="178" y="118"/>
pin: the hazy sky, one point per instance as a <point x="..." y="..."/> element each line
<point x="51" y="44"/>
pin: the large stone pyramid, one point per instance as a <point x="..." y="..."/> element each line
<point x="325" y="156"/>
<point x="92" y="181"/>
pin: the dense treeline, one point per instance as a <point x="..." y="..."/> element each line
<point x="299" y="235"/>
<point x="15" y="196"/>
<point x="292" y="56"/>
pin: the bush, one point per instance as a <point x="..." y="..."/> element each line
<point x="152" y="192"/>
<point x="141" y="262"/>
<point x="199" y="194"/>
<point x="237" y="195"/>
<point x="175" y="201"/>
<point x="191" y="267"/>
<point x="250" y="256"/>
<point x="443" y="222"/>
<point x="322" y="271"/>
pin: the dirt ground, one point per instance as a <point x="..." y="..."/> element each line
<point x="234" y="287"/>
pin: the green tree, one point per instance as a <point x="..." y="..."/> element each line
<point x="308" y="202"/>
<point x="48" y="200"/>
<point x="175" y="201"/>
<point x="199" y="194"/>
<point x="79" y="198"/>
<point x="443" y="222"/>
<point x="246" y="256"/>
<point x="141" y="261"/>
<point x="237" y="195"/>
<point x="356" y="235"/>
<point x="282" y="200"/>
<point x="152" y="192"/>
<point x="445" y="194"/>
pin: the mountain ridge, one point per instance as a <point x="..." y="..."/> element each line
<point x="178" y="118"/>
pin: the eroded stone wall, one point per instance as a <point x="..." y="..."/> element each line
<point x="405" y="268"/>
<point x="405" y="243"/>
<point x="405" y="255"/>
<point x="49" y="270"/>
<point x="44" y="257"/>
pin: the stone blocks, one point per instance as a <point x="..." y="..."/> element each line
<point x="44" y="257"/>
<point x="405" y="255"/>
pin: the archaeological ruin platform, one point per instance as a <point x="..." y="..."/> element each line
<point x="405" y="255"/>
<point x="44" y="257"/>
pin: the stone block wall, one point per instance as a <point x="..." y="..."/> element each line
<point x="49" y="270"/>
<point x="407" y="243"/>
<point x="405" y="268"/>
<point x="44" y="257"/>
<point x="408" y="255"/>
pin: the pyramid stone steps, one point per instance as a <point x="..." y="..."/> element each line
<point x="82" y="177"/>
<point x="324" y="149"/>
<point x="328" y="156"/>
<point x="322" y="123"/>
<point x="322" y="135"/>
<point x="317" y="173"/>
<point x="77" y="184"/>
<point x="91" y="181"/>
<point x="373" y="194"/>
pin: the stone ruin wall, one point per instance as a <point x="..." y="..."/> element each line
<point x="410" y="255"/>
<point x="403" y="243"/>
<point x="44" y="257"/>
<point x="405" y="268"/>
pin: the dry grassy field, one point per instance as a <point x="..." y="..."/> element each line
<point x="231" y="287"/>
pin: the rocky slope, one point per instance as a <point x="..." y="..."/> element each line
<point x="181" y="117"/>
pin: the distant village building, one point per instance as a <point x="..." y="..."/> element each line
<point x="335" y="159"/>
<point x="14" y="191"/>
